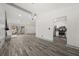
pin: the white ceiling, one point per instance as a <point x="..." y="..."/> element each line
<point x="44" y="7"/>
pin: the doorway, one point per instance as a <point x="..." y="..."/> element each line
<point x="59" y="32"/>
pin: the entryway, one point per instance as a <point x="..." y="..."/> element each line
<point x="60" y="29"/>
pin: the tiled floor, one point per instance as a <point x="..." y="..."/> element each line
<point x="29" y="45"/>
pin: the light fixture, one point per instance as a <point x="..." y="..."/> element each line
<point x="34" y="16"/>
<point x="19" y="15"/>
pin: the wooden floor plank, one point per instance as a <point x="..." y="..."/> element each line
<point x="29" y="45"/>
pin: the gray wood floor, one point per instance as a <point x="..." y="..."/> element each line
<point x="29" y="45"/>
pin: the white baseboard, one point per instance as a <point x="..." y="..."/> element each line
<point x="71" y="46"/>
<point x="30" y="33"/>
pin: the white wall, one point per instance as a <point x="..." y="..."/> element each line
<point x="45" y="20"/>
<point x="2" y="25"/>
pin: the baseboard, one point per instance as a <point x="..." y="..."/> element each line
<point x="71" y="46"/>
<point x="44" y="39"/>
<point x="30" y="33"/>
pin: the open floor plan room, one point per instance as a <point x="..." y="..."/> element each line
<point x="39" y="29"/>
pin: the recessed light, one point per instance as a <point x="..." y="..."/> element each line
<point x="19" y="15"/>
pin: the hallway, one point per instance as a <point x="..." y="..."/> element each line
<point x="29" y="45"/>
